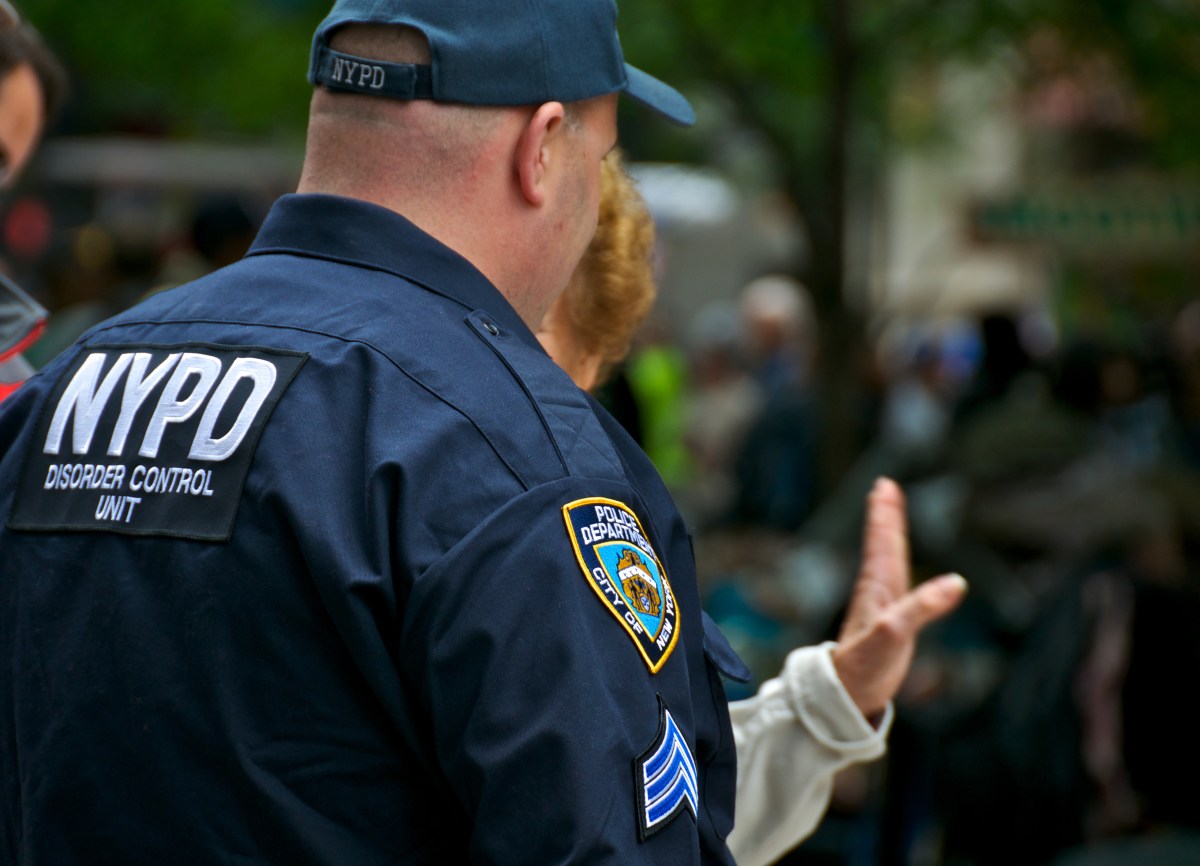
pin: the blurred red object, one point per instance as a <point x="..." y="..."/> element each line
<point x="22" y="321"/>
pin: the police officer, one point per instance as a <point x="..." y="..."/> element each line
<point x="320" y="559"/>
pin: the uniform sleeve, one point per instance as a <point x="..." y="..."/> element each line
<point x="538" y="700"/>
<point x="792" y="737"/>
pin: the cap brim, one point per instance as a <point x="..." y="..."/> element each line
<point x="660" y="97"/>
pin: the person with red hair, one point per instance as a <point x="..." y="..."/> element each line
<point x="590" y="328"/>
<point x="830" y="705"/>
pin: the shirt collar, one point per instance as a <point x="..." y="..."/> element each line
<point x="367" y="235"/>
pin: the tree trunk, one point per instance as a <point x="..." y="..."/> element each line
<point x="840" y="386"/>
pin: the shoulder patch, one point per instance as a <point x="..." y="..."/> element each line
<point x="625" y="573"/>
<point x="150" y="439"/>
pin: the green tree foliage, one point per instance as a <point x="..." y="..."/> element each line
<point x="781" y="62"/>
<point x="216" y="67"/>
<point x="236" y="66"/>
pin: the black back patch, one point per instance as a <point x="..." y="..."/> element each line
<point x="151" y="439"/>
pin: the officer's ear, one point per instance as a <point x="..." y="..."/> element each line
<point x="537" y="149"/>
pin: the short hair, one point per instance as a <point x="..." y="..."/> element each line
<point x="21" y="44"/>
<point x="393" y="43"/>
<point x="390" y="43"/>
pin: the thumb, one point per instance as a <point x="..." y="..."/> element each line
<point x="930" y="601"/>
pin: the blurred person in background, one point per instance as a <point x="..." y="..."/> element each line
<point x="222" y="230"/>
<point x="218" y="233"/>
<point x="32" y="86"/>
<point x="776" y="469"/>
<point x="916" y="413"/>
<point x="1005" y="362"/>
<point x="723" y="403"/>
<point x="1184" y="382"/>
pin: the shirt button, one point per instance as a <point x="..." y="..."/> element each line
<point x="492" y="329"/>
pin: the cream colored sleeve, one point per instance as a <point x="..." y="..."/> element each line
<point x="792" y="737"/>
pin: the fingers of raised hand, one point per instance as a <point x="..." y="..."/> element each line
<point x="885" y="536"/>
<point x="930" y="601"/>
<point x="873" y="659"/>
<point x="884" y="574"/>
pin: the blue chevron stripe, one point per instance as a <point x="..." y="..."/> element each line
<point x="669" y="781"/>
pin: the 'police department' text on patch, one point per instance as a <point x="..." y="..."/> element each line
<point x="150" y="439"/>
<point x="624" y="571"/>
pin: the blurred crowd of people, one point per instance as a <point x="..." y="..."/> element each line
<point x="128" y="250"/>
<point x="1059" y="473"/>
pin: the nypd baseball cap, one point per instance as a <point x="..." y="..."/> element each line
<point x="494" y="53"/>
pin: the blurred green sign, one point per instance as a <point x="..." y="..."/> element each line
<point x="1108" y="221"/>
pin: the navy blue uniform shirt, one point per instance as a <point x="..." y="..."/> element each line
<point x="321" y="560"/>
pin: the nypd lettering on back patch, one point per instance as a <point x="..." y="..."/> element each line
<point x="151" y="439"/>
<point x="624" y="571"/>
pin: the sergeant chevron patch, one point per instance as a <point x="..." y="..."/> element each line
<point x="625" y="573"/>
<point x="664" y="777"/>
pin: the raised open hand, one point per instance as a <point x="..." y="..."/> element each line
<point x="886" y="613"/>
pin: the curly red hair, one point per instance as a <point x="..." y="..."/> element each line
<point x="613" y="289"/>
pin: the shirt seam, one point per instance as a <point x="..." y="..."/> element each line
<point x="347" y="340"/>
